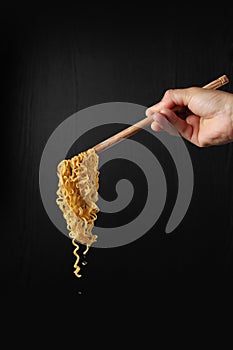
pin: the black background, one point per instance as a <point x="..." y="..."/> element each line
<point x="58" y="60"/>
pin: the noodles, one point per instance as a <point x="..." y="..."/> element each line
<point x="77" y="195"/>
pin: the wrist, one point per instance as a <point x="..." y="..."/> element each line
<point x="228" y="116"/>
<point x="231" y="118"/>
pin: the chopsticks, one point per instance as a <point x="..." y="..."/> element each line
<point x="131" y="130"/>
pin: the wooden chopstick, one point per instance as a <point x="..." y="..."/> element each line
<point x="131" y="130"/>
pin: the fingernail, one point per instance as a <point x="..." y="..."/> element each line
<point x="148" y="112"/>
<point x="155" y="126"/>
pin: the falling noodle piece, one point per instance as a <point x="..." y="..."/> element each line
<point x="77" y="195"/>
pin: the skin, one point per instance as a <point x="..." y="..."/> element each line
<point x="210" y="115"/>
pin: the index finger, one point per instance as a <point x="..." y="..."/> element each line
<point x="173" y="98"/>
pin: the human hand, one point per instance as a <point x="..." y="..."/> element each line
<point x="209" y="120"/>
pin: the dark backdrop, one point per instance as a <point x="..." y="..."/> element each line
<point x="56" y="61"/>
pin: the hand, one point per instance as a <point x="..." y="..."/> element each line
<point x="210" y="115"/>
